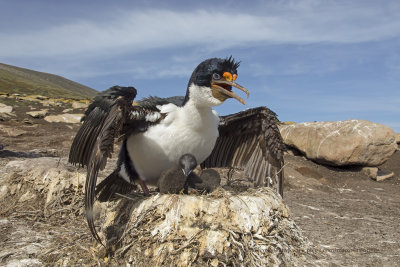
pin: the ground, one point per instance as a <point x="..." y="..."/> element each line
<point x="350" y="218"/>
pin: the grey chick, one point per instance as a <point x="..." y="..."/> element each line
<point x="174" y="179"/>
<point x="208" y="181"/>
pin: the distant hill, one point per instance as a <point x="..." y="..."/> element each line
<point x="24" y="81"/>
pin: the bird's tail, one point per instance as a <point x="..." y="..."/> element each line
<point x="114" y="183"/>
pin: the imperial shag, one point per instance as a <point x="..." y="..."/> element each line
<point x="156" y="132"/>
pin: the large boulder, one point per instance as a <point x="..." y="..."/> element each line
<point x="341" y="143"/>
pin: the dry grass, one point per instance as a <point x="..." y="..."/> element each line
<point x="25" y="81"/>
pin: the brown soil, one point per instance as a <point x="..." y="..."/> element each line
<point x="351" y="219"/>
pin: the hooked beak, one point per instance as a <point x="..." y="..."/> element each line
<point x="223" y="88"/>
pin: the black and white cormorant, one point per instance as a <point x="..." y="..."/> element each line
<point x="156" y="132"/>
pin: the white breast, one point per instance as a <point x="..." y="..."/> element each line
<point x="187" y="129"/>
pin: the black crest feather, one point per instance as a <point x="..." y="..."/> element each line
<point x="230" y="63"/>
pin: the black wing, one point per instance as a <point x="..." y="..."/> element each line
<point x="250" y="140"/>
<point x="93" y="144"/>
<point x="111" y="115"/>
<point x="104" y="116"/>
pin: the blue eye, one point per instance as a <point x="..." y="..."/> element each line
<point x="216" y="76"/>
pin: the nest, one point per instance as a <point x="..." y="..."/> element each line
<point x="251" y="228"/>
<point x="43" y="206"/>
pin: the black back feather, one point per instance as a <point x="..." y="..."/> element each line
<point x="152" y="102"/>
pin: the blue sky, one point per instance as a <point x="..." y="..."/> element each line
<point x="306" y="60"/>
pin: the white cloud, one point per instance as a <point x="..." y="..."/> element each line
<point x="138" y="31"/>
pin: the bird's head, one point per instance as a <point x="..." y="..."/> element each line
<point x="187" y="163"/>
<point x="212" y="81"/>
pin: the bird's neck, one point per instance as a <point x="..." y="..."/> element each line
<point x="200" y="96"/>
<point x="197" y="115"/>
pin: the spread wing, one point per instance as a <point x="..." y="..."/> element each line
<point x="104" y="116"/>
<point x="250" y="140"/>
<point x="104" y="121"/>
<point x="111" y="115"/>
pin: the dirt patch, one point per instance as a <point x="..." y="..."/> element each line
<point x="308" y="172"/>
<point x="352" y="217"/>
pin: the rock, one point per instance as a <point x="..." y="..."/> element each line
<point x="288" y="123"/>
<point x="51" y="103"/>
<point x="38" y="113"/>
<point x="66" y="118"/>
<point x="28" y="98"/>
<point x="79" y="105"/>
<point x="371" y="172"/>
<point x="6" y="111"/>
<point x="67" y="110"/>
<point x="252" y="228"/>
<point x="12" y="132"/>
<point x="383" y="175"/>
<point x="40" y="97"/>
<point x="341" y="143"/>
<point x="398" y="138"/>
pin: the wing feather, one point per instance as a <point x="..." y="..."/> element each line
<point x="250" y="140"/>
<point x="94" y="121"/>
<point x="93" y="144"/>
<point x="101" y="151"/>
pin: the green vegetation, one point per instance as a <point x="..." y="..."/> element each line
<point x="15" y="80"/>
